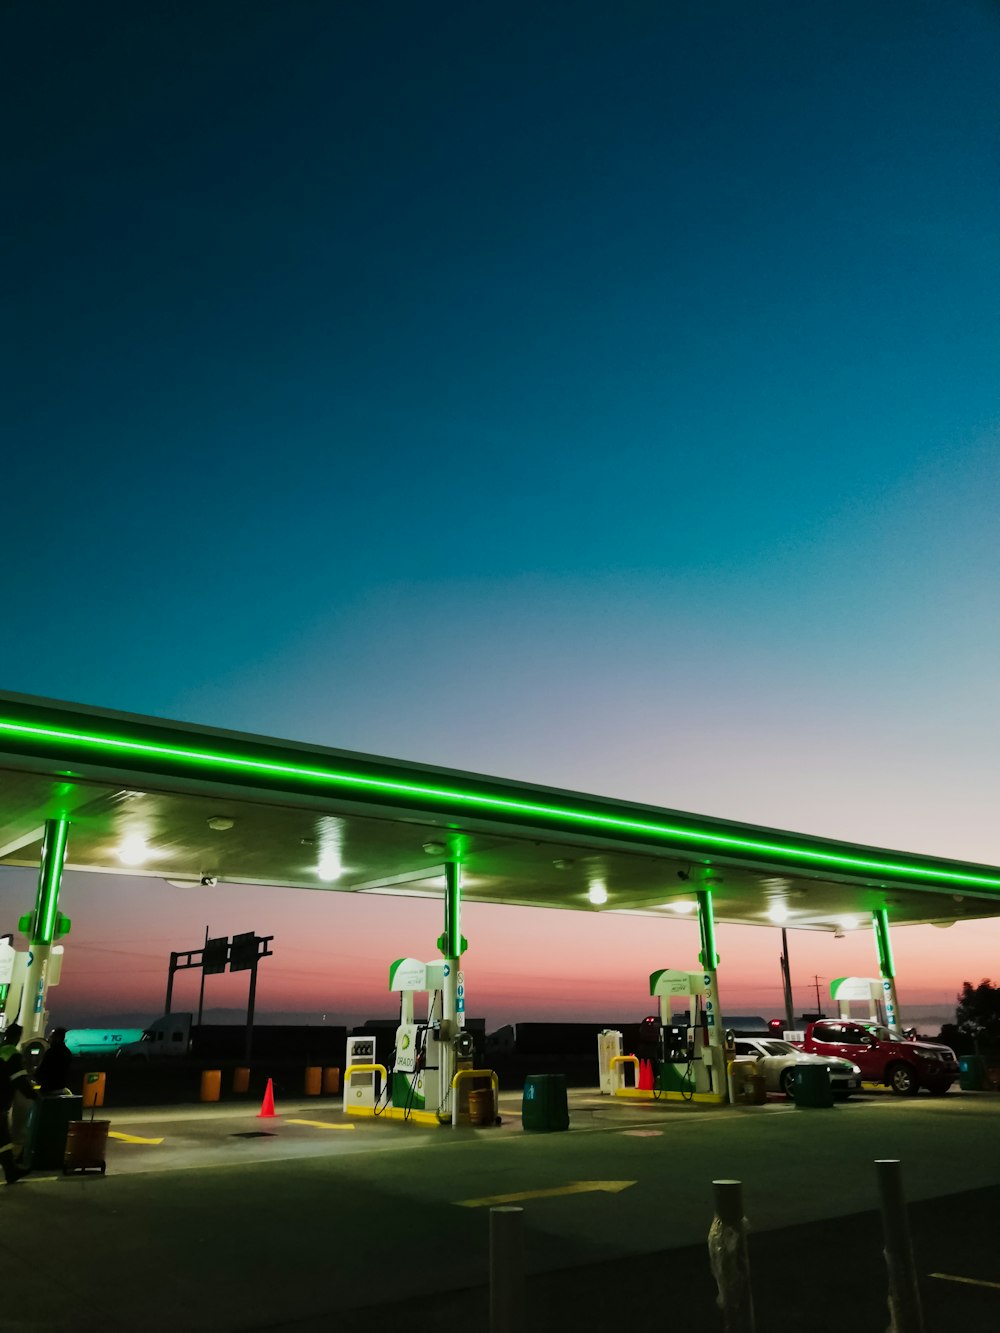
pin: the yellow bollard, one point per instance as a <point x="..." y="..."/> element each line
<point x="314" y="1078"/>
<point x="93" y="1089"/>
<point x="331" y="1080"/>
<point x="241" y="1078"/>
<point x="211" y="1085"/>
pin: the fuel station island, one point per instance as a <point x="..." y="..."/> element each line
<point x="79" y="784"/>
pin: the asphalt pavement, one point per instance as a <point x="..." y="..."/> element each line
<point x="212" y="1218"/>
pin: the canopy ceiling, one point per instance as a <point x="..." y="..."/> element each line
<point x="143" y="793"/>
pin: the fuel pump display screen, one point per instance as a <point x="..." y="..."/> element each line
<point x="675" y="1044"/>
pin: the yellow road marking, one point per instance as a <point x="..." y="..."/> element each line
<point x="969" y="1281"/>
<point x="319" y="1124"/>
<point x="574" y="1187"/>
<point x="130" y="1138"/>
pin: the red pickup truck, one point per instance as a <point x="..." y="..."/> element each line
<point x="904" y="1066"/>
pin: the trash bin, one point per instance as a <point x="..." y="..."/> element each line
<point x="747" y="1087"/>
<point x="481" y="1110"/>
<point x="970" y="1073"/>
<point x="45" y="1142"/>
<point x="86" y="1146"/>
<point x="331" y="1080"/>
<point x="543" y="1105"/>
<point x="811" y="1086"/>
<point x="211" y="1085"/>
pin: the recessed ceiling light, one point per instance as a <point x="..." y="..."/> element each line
<point x="220" y="823"/>
<point x="563" y="863"/>
<point x="133" y="850"/>
<point x="778" y="913"/>
<point x="597" y="893"/>
<point x="682" y="906"/>
<point x="435" y="848"/>
<point x="848" y="923"/>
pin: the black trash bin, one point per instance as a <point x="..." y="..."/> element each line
<point x="811" y="1086"/>
<point x="544" y="1105"/>
<point x="971" y="1073"/>
<point x="45" y="1141"/>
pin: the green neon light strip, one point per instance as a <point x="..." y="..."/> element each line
<point x="476" y="801"/>
<point x="49" y="877"/>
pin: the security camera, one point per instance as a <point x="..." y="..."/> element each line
<point x="209" y="881"/>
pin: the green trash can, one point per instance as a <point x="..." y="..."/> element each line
<point x="811" y="1086"/>
<point x="970" y="1073"/>
<point x="543" y="1104"/>
<point x="45" y="1142"/>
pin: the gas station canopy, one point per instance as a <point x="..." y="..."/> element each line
<point x="191" y="805"/>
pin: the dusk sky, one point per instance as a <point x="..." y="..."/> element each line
<point x="599" y="395"/>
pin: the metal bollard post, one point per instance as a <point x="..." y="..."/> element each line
<point x="905" y="1312"/>
<point x="730" y="1260"/>
<point x="506" y="1270"/>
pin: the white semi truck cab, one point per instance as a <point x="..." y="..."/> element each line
<point x="167" y="1036"/>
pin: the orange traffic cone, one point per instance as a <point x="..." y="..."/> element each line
<point x="266" y="1111"/>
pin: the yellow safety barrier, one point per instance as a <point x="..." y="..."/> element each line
<point x="388" y="1112"/>
<point x="632" y="1060"/>
<point x="474" y="1073"/>
<point x="361" y="1069"/>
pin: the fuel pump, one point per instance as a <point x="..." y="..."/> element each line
<point x="424" y="1058"/>
<point x="692" y="1054"/>
<point x="869" y="992"/>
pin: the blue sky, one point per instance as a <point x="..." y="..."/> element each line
<point x="604" y="396"/>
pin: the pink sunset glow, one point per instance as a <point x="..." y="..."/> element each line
<point x="332" y="952"/>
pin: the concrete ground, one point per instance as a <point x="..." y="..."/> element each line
<point x="210" y="1218"/>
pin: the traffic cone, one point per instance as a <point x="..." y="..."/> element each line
<point x="266" y="1111"/>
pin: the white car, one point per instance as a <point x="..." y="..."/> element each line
<point x="777" y="1061"/>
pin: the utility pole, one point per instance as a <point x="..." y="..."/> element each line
<point x="786" y="979"/>
<point x="201" y="991"/>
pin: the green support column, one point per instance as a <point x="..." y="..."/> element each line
<point x="452" y="945"/>
<point x="708" y="958"/>
<point x="713" y="1058"/>
<point x="45" y="920"/>
<point x="43" y="927"/>
<point x="887" y="968"/>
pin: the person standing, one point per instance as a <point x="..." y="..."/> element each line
<point x="53" y="1072"/>
<point x="13" y="1078"/>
